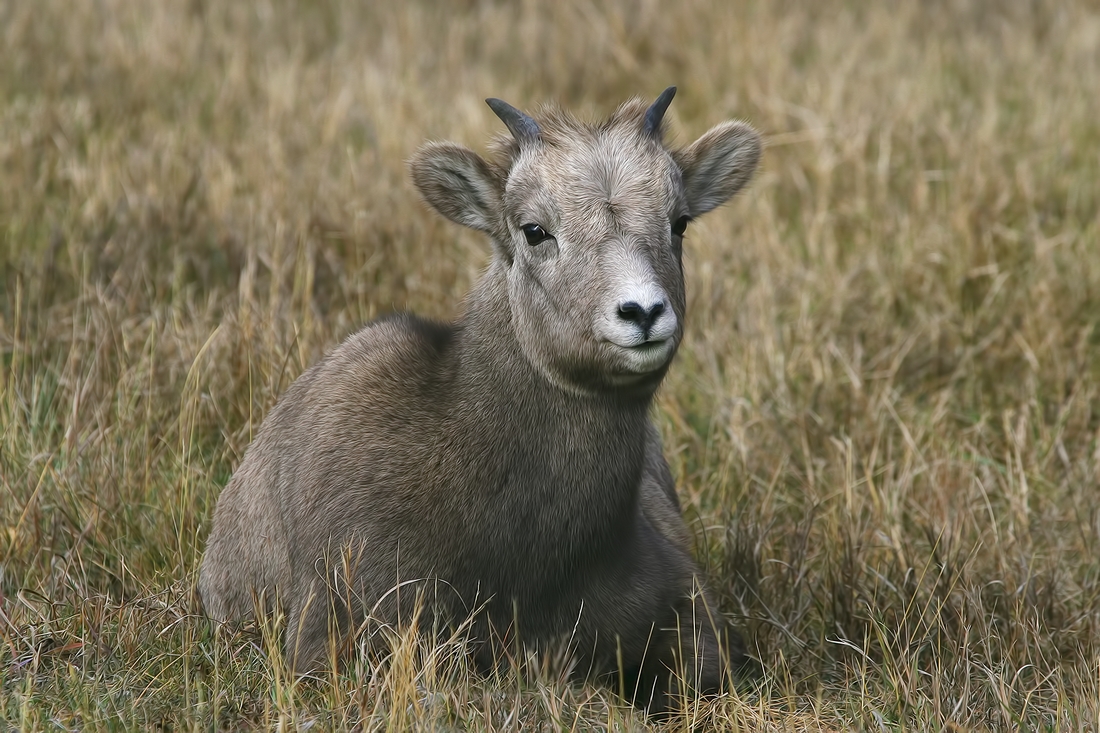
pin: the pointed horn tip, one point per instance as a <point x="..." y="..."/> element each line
<point x="656" y="112"/>
<point x="522" y="126"/>
<point x="502" y="109"/>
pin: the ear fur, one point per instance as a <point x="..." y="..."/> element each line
<point x="718" y="165"/>
<point x="459" y="184"/>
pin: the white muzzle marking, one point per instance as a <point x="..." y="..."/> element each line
<point x="641" y="322"/>
<point x="638" y="318"/>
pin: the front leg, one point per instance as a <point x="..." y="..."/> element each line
<point x="692" y="654"/>
<point x="651" y="627"/>
<point x="695" y="648"/>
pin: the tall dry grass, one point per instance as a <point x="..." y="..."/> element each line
<point x="885" y="421"/>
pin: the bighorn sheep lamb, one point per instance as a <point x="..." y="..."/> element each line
<point x="504" y="463"/>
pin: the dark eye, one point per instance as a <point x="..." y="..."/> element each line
<point x="680" y="225"/>
<point x="534" y="233"/>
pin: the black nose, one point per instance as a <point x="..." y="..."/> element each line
<point x="635" y="312"/>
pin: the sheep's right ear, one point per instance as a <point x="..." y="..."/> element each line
<point x="459" y="184"/>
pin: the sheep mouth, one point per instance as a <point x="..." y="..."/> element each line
<point x="644" y="357"/>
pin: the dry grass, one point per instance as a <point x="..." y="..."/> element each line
<point x="885" y="421"/>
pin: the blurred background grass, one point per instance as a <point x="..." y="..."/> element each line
<point x="885" y="420"/>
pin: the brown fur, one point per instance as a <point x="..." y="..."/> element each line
<point x="506" y="461"/>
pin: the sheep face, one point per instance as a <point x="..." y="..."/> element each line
<point x="588" y="221"/>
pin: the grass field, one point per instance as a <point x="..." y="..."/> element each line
<point x="884" y="421"/>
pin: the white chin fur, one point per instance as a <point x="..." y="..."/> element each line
<point x="646" y="357"/>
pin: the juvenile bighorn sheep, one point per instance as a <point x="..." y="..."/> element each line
<point x="505" y="462"/>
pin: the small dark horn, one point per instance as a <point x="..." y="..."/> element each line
<point x="524" y="129"/>
<point x="656" y="112"/>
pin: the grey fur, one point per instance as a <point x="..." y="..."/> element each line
<point x="505" y="462"/>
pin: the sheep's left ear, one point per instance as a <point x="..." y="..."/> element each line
<point x="459" y="184"/>
<point x="718" y="165"/>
